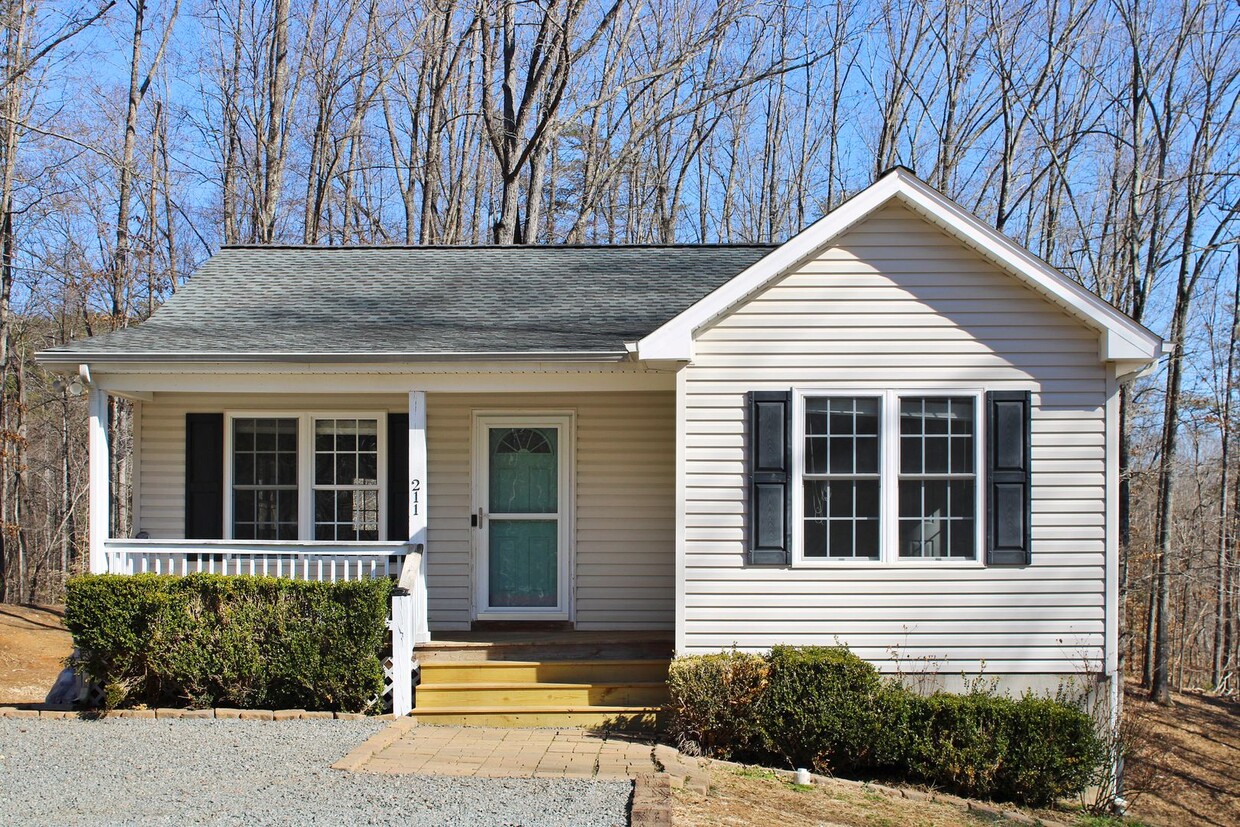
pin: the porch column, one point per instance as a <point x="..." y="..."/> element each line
<point x="100" y="480"/>
<point x="418" y="509"/>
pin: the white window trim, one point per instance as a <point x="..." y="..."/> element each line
<point x="305" y="466"/>
<point x="889" y="479"/>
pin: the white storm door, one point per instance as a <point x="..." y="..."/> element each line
<point x="522" y="499"/>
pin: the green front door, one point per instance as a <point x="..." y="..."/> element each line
<point x="523" y="519"/>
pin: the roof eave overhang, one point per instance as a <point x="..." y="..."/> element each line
<point x="1121" y="339"/>
<point x="68" y="361"/>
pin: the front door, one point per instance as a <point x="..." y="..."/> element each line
<point x="522" y="522"/>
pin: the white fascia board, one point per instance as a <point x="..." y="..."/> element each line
<point x="1121" y="337"/>
<point x="442" y="378"/>
<point x="62" y="360"/>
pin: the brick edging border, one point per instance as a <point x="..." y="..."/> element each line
<point x="652" y="801"/>
<point x="221" y="713"/>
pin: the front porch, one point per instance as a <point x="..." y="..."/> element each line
<point x="593" y="557"/>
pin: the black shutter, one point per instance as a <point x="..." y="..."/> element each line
<point x="204" y="476"/>
<point x="398" y="476"/>
<point x="770" y="459"/>
<point x="1008" y="478"/>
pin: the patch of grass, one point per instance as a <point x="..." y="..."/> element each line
<point x="764" y="774"/>
<point x="755" y="772"/>
<point x="1108" y="821"/>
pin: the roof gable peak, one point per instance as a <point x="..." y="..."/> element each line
<point x="1121" y="338"/>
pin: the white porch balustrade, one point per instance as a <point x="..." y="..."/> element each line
<point x="298" y="560"/>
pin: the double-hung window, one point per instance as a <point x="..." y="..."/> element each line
<point x="346" y="479"/>
<point x="887" y="476"/>
<point x="305" y="477"/>
<point x="264" y="495"/>
<point x="841" y="480"/>
<point x="938" y="480"/>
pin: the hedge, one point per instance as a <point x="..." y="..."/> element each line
<point x="211" y="640"/>
<point x="827" y="709"/>
<point x="722" y="719"/>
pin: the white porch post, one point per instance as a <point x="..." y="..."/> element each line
<point x="100" y="481"/>
<point x="418" y="509"/>
<point x="402" y="653"/>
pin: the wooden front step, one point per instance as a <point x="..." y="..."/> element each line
<point x="539" y="695"/>
<point x="623" y="718"/>
<point x="549" y="671"/>
<point x="622" y="693"/>
<point x="546" y="646"/>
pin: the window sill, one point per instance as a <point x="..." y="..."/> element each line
<point x="911" y="563"/>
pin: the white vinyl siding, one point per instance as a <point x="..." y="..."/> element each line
<point x="625" y="506"/>
<point x="898" y="304"/>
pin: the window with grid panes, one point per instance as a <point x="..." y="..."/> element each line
<point x="938" y="477"/>
<point x="264" y="490"/>
<point x="346" y="479"/>
<point x="841" y="477"/>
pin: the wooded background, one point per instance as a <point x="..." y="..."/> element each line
<point x="137" y="137"/>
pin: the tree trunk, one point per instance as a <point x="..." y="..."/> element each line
<point x="1218" y="665"/>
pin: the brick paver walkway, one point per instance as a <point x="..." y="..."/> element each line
<point x="406" y="747"/>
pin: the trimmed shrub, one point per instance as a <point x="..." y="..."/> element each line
<point x="714" y="703"/>
<point x="957" y="742"/>
<point x="211" y="640"/>
<point x="819" y="709"/>
<point x="826" y="708"/>
<point x="1032" y="750"/>
<point x="1054" y="751"/>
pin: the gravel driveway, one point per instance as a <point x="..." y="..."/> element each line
<point x="174" y="772"/>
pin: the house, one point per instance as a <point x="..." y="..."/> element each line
<point x="898" y="430"/>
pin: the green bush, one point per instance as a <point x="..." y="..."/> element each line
<point x="1032" y="750"/>
<point x="828" y="709"/>
<point x="210" y="640"/>
<point x="819" y="709"/>
<point x="715" y="703"/>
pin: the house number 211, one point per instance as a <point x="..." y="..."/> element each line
<point x="415" y="490"/>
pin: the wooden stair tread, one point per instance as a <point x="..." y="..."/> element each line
<point x="515" y="664"/>
<point x="508" y="710"/>
<point x="533" y="685"/>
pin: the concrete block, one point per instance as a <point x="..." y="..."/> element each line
<point x="225" y="712"/>
<point x="256" y="715"/>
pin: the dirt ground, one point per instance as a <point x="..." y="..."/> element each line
<point x="1191" y="766"/>
<point x="751" y="797"/>
<point x="33" y="648"/>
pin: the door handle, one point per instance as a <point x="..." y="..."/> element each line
<point x="475" y="520"/>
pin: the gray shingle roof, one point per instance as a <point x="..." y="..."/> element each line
<point x="425" y="300"/>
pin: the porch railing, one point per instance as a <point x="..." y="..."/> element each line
<point x="298" y="560"/>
